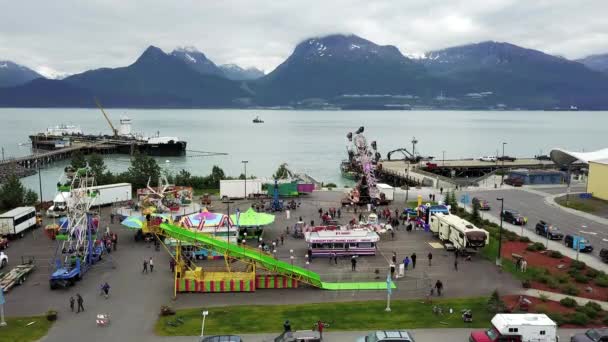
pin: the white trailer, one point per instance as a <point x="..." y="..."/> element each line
<point x="15" y="222"/>
<point x="518" y="327"/>
<point x="235" y="188"/>
<point x="105" y="194"/>
<point x="387" y="190"/>
<point x="459" y="232"/>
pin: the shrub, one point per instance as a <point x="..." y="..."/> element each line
<point x="593" y="305"/>
<point x="601" y="281"/>
<point x="578" y="318"/>
<point x="511" y="238"/>
<point x="543" y="279"/>
<point x="543" y="297"/>
<point x="552" y="283"/>
<point x="568" y="302"/>
<point x="526" y="284"/>
<point x="557" y="318"/>
<point x="570" y="289"/>
<point x="579" y="265"/>
<point x="330" y="185"/>
<point x="51" y="315"/>
<point x="536" y="247"/>
<point x="562" y="279"/>
<point x="524" y="239"/>
<point x="589" y="311"/>
<point x="495" y="304"/>
<point x="593" y="273"/>
<point x="556" y="254"/>
<point x="605" y="320"/>
<point x="580" y="278"/>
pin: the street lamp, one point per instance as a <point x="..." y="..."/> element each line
<point x="204" y="313"/>
<point x="502" y="174"/>
<point x="498" y="257"/>
<point x="245" y="165"/>
<point x="443" y="160"/>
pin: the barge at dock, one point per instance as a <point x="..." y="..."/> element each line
<point x="122" y="141"/>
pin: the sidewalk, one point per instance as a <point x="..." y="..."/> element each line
<point x="558" y="296"/>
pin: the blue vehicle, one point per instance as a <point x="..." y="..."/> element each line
<point x="572" y="241"/>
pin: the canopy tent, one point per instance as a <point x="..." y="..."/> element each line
<point x="563" y="157"/>
<point x="211" y="220"/>
<point x="134" y="222"/>
<point x="252" y="218"/>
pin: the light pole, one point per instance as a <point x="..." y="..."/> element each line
<point x="443" y="160"/>
<point x="245" y="165"/>
<point x="204" y="313"/>
<point x="498" y="257"/>
<point x="39" y="180"/>
<point x="502" y="174"/>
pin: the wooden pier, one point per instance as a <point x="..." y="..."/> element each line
<point x="27" y="165"/>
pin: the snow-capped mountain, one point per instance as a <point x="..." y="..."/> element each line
<point x="12" y="74"/>
<point x="197" y="61"/>
<point x="236" y="73"/>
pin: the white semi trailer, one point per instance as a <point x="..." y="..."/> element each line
<point x="105" y="195"/>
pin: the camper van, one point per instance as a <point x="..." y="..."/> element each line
<point x="518" y="328"/>
<point x="461" y="233"/>
<point x="15" y="222"/>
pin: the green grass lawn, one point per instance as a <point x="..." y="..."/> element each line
<point x="201" y="192"/>
<point x="405" y="314"/>
<point x="18" y="331"/>
<point x="577" y="203"/>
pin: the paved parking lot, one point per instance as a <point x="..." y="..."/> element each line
<point x="135" y="298"/>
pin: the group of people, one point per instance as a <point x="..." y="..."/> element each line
<point x="148" y="263"/>
<point x="331" y="213"/>
<point x="407" y="261"/>
<point x="78" y="300"/>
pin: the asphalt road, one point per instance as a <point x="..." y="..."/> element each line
<point x="534" y="207"/>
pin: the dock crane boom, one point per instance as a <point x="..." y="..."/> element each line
<point x="114" y="130"/>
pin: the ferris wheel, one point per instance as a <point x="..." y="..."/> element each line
<point x="77" y="249"/>
<point x="365" y="157"/>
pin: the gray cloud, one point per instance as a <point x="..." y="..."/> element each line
<point x="74" y="35"/>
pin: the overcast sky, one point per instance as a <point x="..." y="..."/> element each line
<point x="71" y="36"/>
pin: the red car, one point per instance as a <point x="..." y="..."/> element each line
<point x="483" y="204"/>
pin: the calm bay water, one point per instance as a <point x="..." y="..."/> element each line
<point x="313" y="141"/>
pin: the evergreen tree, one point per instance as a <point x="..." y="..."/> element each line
<point x="12" y="192"/>
<point x="282" y="172"/>
<point x="30" y="198"/>
<point x="217" y="174"/>
<point x="99" y="169"/>
<point x="78" y="160"/>
<point x="142" y="169"/>
<point x="475" y="217"/>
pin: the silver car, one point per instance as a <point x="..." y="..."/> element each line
<point x="386" y="336"/>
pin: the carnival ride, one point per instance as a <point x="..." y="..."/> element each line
<point x="363" y="159"/>
<point x="77" y="245"/>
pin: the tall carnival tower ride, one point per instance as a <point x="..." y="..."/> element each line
<point x="364" y="159"/>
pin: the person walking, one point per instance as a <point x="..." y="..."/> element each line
<point x="331" y="257"/>
<point x="353" y="263"/>
<point x="335" y="258"/>
<point x="145" y="270"/>
<point x="439" y="287"/>
<point x="72" y="303"/>
<point x="286" y="326"/>
<point x="320" y="212"/>
<point x="106" y="289"/>
<point x="80" y="301"/>
<point x="114" y="240"/>
<point x="430" y="256"/>
<point x="394" y="257"/>
<point x="392" y="234"/>
<point x="339" y="213"/>
<point x="413" y="257"/>
<point x="282" y="239"/>
<point x="441" y="191"/>
<point x="456" y="263"/>
<point x="406" y="262"/>
<point x="151" y="263"/>
<point x="392" y="270"/>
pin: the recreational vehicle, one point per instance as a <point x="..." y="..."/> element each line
<point x="461" y="233"/>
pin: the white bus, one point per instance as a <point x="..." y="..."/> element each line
<point x="461" y="233"/>
<point x="342" y="242"/>
<point x="15" y="222"/>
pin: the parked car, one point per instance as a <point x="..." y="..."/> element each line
<point x="604" y="255"/>
<point x="514" y="181"/>
<point x="506" y="158"/>
<point x="572" y="241"/>
<point x="386" y="335"/>
<point x="3" y="260"/>
<point x="487" y="158"/>
<point x="591" y="335"/>
<point x="221" y="338"/>
<point x="483" y="204"/>
<point x="545" y="229"/>
<point x="299" y="336"/>
<point x="513" y="217"/>
<point x="542" y="157"/>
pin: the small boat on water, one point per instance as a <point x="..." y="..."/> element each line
<point x="258" y="120"/>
